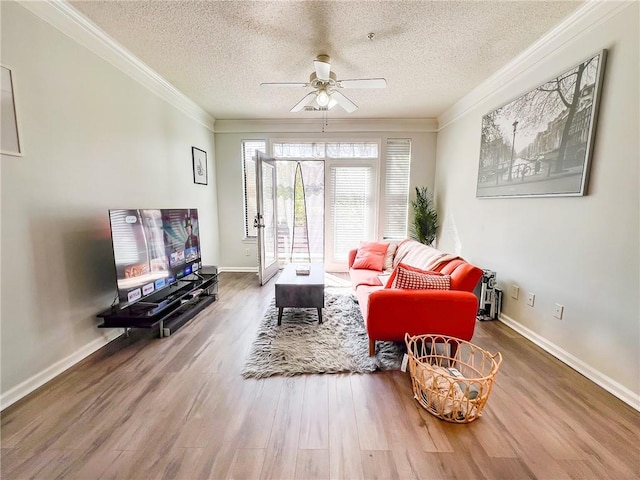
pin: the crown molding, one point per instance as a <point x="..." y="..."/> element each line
<point x="62" y="16"/>
<point x="589" y="16"/>
<point x="318" y="125"/>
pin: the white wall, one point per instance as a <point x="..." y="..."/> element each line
<point x="93" y="139"/>
<point x="581" y="252"/>
<point x="229" y="136"/>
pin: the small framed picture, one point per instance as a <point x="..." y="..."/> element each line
<point x="199" y="166"/>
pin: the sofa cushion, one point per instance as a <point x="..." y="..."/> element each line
<point x="370" y="256"/>
<point x="364" y="277"/>
<point x="415" y="280"/>
<point x="362" y="293"/>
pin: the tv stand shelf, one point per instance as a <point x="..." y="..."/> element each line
<point x="170" y="309"/>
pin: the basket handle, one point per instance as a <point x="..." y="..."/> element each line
<point x="499" y="360"/>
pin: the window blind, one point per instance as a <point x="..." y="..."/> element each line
<point x="249" y="148"/>
<point x="396" y="188"/>
<point x="350" y="207"/>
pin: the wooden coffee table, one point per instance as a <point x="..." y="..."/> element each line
<point x="300" y="291"/>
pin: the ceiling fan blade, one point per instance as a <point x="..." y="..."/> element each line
<point x="363" y="83"/>
<point x="284" y="84"/>
<point x="323" y="67"/>
<point x="308" y="98"/>
<point x="344" y="102"/>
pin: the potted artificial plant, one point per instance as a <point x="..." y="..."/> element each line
<point x="425" y="217"/>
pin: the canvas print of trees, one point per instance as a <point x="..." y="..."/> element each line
<point x="540" y="143"/>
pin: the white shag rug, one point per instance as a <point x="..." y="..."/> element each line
<point x="301" y="345"/>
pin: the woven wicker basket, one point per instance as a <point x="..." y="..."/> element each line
<point x="451" y="378"/>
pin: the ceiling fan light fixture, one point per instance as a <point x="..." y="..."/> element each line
<point x="326" y="88"/>
<point x="323" y="98"/>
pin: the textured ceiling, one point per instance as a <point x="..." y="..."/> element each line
<point x="432" y="53"/>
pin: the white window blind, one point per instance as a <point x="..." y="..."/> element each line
<point x="351" y="211"/>
<point x="396" y="188"/>
<point x="249" y="148"/>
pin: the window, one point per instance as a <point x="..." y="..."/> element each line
<point x="351" y="209"/>
<point x="322" y="150"/>
<point x="249" y="148"/>
<point x="352" y="150"/>
<point x="348" y="212"/>
<point x="298" y="151"/>
<point x="396" y="188"/>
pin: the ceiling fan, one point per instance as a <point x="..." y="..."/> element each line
<point x="326" y="85"/>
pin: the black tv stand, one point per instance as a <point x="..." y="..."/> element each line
<point x="169" y="309"/>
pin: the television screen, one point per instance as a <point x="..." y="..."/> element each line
<point x="153" y="249"/>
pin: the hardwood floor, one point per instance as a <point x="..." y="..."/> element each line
<point x="177" y="407"/>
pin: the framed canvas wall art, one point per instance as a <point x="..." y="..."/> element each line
<point x="541" y="143"/>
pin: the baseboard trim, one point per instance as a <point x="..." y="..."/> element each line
<point x="618" y="390"/>
<point x="31" y="384"/>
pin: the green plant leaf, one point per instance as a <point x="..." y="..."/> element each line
<point x="425" y="217"/>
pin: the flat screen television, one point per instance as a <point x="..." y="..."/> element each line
<point x="153" y="249"/>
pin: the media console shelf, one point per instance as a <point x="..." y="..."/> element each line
<point x="171" y="308"/>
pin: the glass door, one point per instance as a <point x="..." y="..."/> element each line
<point x="350" y="209"/>
<point x="266" y="218"/>
<point x="300" y="211"/>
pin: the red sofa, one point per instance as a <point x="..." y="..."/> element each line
<point x="389" y="313"/>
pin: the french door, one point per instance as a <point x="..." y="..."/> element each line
<point x="266" y="217"/>
<point x="300" y="211"/>
<point x="350" y="206"/>
<point x="347" y="177"/>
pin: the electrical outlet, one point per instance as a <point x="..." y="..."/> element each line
<point x="247" y="251"/>
<point x="531" y="298"/>
<point x="515" y="290"/>
<point x="558" y="311"/>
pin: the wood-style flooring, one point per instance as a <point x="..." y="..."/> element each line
<point x="178" y="408"/>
